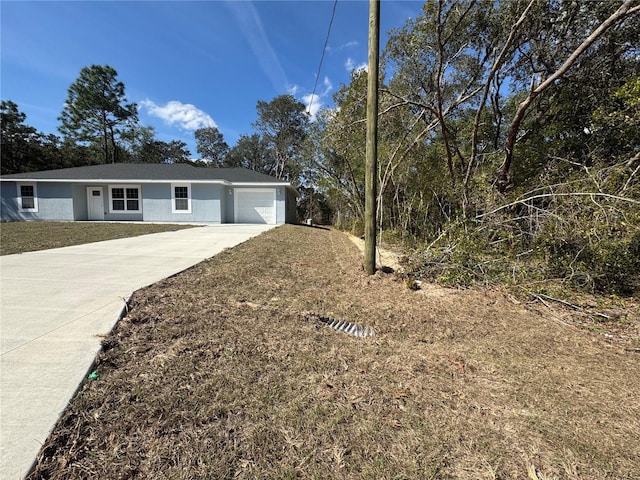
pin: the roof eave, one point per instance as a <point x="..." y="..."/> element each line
<point x="113" y="180"/>
<point x="141" y="180"/>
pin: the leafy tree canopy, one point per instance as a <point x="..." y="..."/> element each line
<point x="211" y="146"/>
<point x="251" y="151"/>
<point x="283" y="124"/>
<point x="96" y="110"/>
<point x="23" y="148"/>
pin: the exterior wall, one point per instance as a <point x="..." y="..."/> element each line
<point x="8" y="202"/>
<point x="54" y="202"/>
<point x="225" y="198"/>
<point x="281" y="205"/>
<point x="291" y="211"/>
<point x="229" y="216"/>
<point x="122" y="217"/>
<point x="80" y="209"/>
<point x="206" y="203"/>
<point x="67" y="201"/>
<point x="156" y="201"/>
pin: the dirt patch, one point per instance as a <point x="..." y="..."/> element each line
<point x="384" y="257"/>
<point x="218" y="373"/>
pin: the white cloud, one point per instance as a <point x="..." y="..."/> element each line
<point x="251" y="26"/>
<point x="293" y="90"/>
<point x="327" y="85"/>
<point x="350" y="65"/>
<point x="183" y="115"/>
<point x="312" y="103"/>
<point x="350" y="44"/>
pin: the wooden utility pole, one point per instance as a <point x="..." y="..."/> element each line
<point x="371" y="174"/>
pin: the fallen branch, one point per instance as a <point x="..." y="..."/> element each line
<point x="547" y="195"/>
<point x="626" y="10"/>
<point x="541" y="297"/>
<point x="126" y="305"/>
<point x="575" y="307"/>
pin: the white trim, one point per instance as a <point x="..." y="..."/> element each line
<point x="125" y="187"/>
<point x="117" y="180"/>
<point x="173" y="197"/>
<point x="120" y="181"/>
<point x="19" y="186"/>
<point x="259" y="184"/>
<point x="139" y="181"/>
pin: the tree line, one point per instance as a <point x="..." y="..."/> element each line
<point x="98" y="125"/>
<point x="508" y="149"/>
<point x="508" y="144"/>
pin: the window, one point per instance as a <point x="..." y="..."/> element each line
<point x="181" y="198"/>
<point x="132" y="199"/>
<point x="117" y="198"/>
<point x="124" y="199"/>
<point x="27" y="198"/>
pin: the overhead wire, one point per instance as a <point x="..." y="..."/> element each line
<point x="324" y="49"/>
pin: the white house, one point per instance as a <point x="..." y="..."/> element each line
<point x="147" y="192"/>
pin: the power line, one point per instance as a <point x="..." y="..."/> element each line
<point x="324" y="49"/>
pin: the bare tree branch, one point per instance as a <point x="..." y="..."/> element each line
<point x="494" y="69"/>
<point x="628" y="8"/>
<point x="551" y="195"/>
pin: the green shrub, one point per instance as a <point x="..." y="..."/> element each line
<point x="588" y="255"/>
<point x="465" y="255"/>
<point x="596" y="263"/>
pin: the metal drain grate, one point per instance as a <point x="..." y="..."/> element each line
<point x="349" y="328"/>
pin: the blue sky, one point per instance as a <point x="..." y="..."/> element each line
<point x="187" y="64"/>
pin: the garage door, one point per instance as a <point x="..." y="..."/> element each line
<point x="255" y="205"/>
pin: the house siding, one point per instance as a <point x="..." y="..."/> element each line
<point x="54" y="202"/>
<point x="229" y="215"/>
<point x="280" y="205"/>
<point x="211" y="200"/>
<point x="80" y="208"/>
<point x="205" y="203"/>
<point x="156" y="202"/>
<point x="291" y="211"/>
<point x="123" y="217"/>
<point x="224" y="202"/>
<point x="8" y="202"/>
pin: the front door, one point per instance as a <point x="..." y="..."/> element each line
<point x="95" y="203"/>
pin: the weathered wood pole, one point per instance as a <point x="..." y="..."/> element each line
<point x="371" y="174"/>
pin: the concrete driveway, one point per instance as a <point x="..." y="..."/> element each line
<point x="55" y="305"/>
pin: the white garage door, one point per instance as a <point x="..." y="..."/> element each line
<point x="255" y="205"/>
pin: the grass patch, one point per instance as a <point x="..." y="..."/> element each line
<point x="217" y="373"/>
<point x="20" y="237"/>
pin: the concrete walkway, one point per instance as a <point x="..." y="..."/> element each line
<point x="55" y="305"/>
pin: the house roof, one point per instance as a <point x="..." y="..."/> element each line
<point x="152" y="172"/>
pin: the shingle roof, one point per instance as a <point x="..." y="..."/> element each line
<point x="148" y="171"/>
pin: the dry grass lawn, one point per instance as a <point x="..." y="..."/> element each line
<point x="217" y="373"/>
<point x="20" y="237"/>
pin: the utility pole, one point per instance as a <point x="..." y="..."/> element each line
<point x="371" y="172"/>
